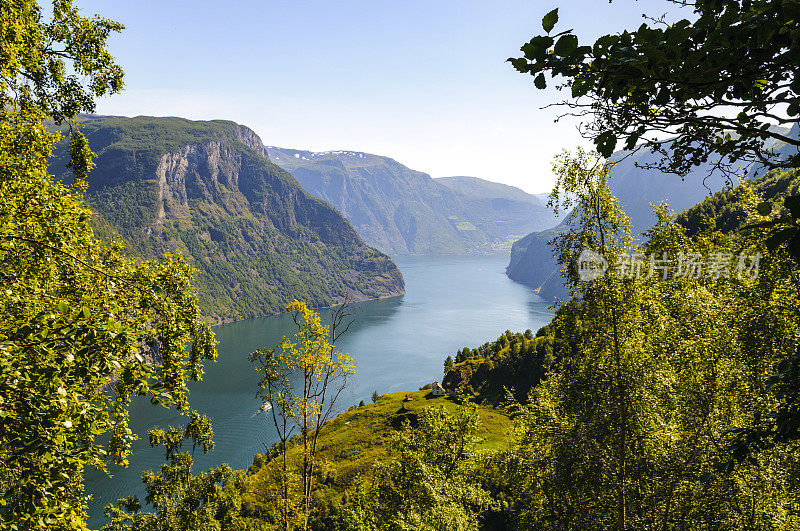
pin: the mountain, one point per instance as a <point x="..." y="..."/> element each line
<point x="401" y="211"/>
<point x="532" y="262"/>
<point x="726" y="213"/>
<point x="257" y="239"/>
<point x="476" y="188"/>
<point x="636" y="188"/>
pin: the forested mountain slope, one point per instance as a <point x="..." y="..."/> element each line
<point x="401" y="211"/>
<point x="207" y="189"/>
<point x="518" y="361"/>
<point x="724" y="211"/>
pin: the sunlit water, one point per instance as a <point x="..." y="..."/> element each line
<point x="397" y="344"/>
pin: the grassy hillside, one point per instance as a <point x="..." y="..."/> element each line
<point x="356" y="440"/>
<point x="205" y="189"/>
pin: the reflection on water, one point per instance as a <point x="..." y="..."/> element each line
<point x="397" y="344"/>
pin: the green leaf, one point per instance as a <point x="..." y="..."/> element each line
<point x="530" y="50"/>
<point x="566" y="45"/>
<point x="606" y="143"/>
<point x="538" y="46"/>
<point x="764" y="208"/>
<point x="580" y="87"/>
<point x="520" y="64"/>
<point x="540" y="82"/>
<point x="549" y="20"/>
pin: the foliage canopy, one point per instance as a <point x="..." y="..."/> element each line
<point x="710" y="88"/>
<point x="83" y="326"/>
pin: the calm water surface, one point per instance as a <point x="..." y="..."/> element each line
<point x="397" y="344"/>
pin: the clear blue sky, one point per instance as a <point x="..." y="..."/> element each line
<point x="424" y="82"/>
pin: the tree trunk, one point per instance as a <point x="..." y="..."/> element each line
<point x="622" y="411"/>
<point x="622" y="407"/>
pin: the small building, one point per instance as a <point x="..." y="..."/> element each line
<point x="437" y="389"/>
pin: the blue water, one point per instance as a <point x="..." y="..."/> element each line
<point x="398" y="344"/>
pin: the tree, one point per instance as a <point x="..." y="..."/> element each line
<point x="706" y="90"/>
<point x="275" y="388"/>
<point x="600" y="227"/>
<point x="322" y="372"/>
<point x="375" y="396"/>
<point x="83" y="326"/>
<point x="710" y="88"/>
<point x="448" y="364"/>
<point x="649" y="374"/>
<point x="54" y="69"/>
<point x="428" y="484"/>
<point x="184" y="501"/>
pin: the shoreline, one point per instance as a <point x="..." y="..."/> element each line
<point x="445" y="255"/>
<point x="214" y="324"/>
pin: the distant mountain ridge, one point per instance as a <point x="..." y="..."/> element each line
<point x="532" y="262"/>
<point x="402" y="211"/>
<point x="477" y="188"/>
<point x="257" y="239"/>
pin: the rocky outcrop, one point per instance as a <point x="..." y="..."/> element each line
<point x="206" y="189"/>
<point x="534" y="264"/>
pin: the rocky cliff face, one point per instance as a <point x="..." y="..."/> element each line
<point x="208" y="167"/>
<point x="534" y="264"/>
<point x="206" y="189"/>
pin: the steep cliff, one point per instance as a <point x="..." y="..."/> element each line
<point x="534" y="264"/>
<point x="207" y="189"/>
<point x="401" y="211"/>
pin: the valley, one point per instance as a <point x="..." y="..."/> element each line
<point x="402" y="211"/>
<point x="398" y="345"/>
<point x="202" y="331"/>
